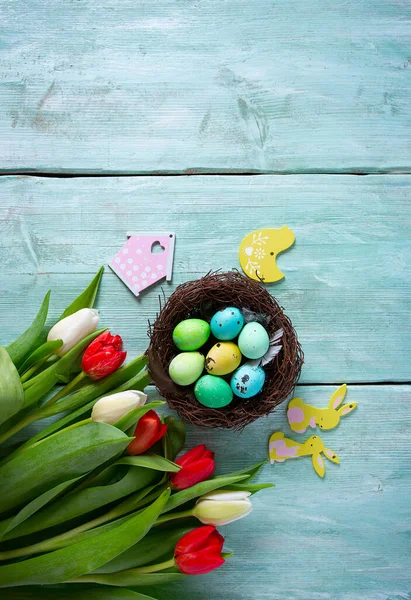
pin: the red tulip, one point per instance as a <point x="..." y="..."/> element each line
<point x="103" y="356"/>
<point x="199" y="551"/>
<point x="148" y="431"/>
<point x="196" y="465"/>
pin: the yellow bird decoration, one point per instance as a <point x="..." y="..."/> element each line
<point x="259" y="250"/>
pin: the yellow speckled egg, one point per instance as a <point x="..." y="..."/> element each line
<point x="223" y="358"/>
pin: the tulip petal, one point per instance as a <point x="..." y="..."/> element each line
<point x="226" y="495"/>
<point x="201" y="537"/>
<point x="192" y="455"/>
<point x="193" y="473"/>
<point x="148" y="431"/>
<point x="199" y="563"/>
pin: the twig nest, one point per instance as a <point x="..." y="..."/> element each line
<point x="201" y="299"/>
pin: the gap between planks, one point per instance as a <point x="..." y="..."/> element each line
<point x="202" y="172"/>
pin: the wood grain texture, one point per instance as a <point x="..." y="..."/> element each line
<point x="346" y="537"/>
<point x="166" y="86"/>
<point x="347" y="285"/>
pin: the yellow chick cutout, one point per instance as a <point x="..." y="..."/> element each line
<point x="259" y="250"/>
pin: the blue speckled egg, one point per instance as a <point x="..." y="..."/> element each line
<point x="247" y="381"/>
<point x="226" y="324"/>
<point x="253" y="341"/>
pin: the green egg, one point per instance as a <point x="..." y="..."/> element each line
<point x="191" y="334"/>
<point x="186" y="368"/>
<point x="213" y="392"/>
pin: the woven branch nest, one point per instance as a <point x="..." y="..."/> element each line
<point x="201" y="299"/>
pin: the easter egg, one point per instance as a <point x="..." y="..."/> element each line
<point x="213" y="392"/>
<point x="253" y="340"/>
<point x="226" y="324"/>
<point x="186" y="368"/>
<point x="191" y="334"/>
<point x="223" y="358"/>
<point x="247" y="381"/>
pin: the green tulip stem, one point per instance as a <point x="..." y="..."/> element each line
<point x="32" y="370"/>
<point x="18" y="427"/>
<point x="95" y="578"/>
<point x="185" y="514"/>
<point x="60" y="541"/>
<point x="66" y="389"/>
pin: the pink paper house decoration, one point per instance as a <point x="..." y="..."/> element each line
<point x="138" y="266"/>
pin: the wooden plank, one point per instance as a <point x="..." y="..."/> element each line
<point x="342" y="538"/>
<point x="347" y="277"/>
<point x="165" y="86"/>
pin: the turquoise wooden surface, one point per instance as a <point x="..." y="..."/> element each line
<point x="347" y="285"/>
<point x="176" y="86"/>
<point x="306" y="88"/>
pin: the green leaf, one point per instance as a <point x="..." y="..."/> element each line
<point x="154" y="546"/>
<point x="22" y="345"/>
<point x="251" y="471"/>
<point x="86" y="298"/>
<point x="150" y="461"/>
<point x="44" y="351"/>
<point x="199" y="489"/>
<point x="77" y="591"/>
<point x="131" y="418"/>
<point x="73" y="561"/>
<point x="70" y="454"/>
<point x="253" y="488"/>
<point x="81" y="502"/>
<point x="130" y="578"/>
<point x="175" y="437"/>
<point x="41" y="384"/>
<point x="34" y="506"/>
<point x="11" y="390"/>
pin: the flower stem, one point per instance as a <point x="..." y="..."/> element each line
<point x="18" y="426"/>
<point x="62" y="540"/>
<point x="66" y="389"/>
<point x="31" y="371"/>
<point x="170" y="517"/>
<point x="96" y="578"/>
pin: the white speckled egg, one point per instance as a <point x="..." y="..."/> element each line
<point x="247" y="381"/>
<point x="253" y="340"/>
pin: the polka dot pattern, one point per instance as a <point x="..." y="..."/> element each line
<point x="137" y="266"/>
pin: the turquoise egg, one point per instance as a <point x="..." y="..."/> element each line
<point x="213" y="392"/>
<point x="247" y="381"/>
<point x="186" y="368"/>
<point x="253" y="340"/>
<point x="191" y="334"/>
<point x="227" y="323"/>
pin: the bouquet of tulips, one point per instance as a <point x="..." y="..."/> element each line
<point x="98" y="499"/>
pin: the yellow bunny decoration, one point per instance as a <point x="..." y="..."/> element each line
<point x="281" y="448"/>
<point x="300" y="415"/>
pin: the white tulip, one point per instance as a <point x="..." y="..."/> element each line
<point x="222" y="507"/>
<point x="111" y="408"/>
<point x="73" y="329"/>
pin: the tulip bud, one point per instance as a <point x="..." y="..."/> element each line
<point x="112" y="408"/>
<point x="73" y="329"/>
<point x="148" y="431"/>
<point x="196" y="465"/>
<point x="103" y="356"/>
<point x="222" y="507"/>
<point x="199" y="551"/>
